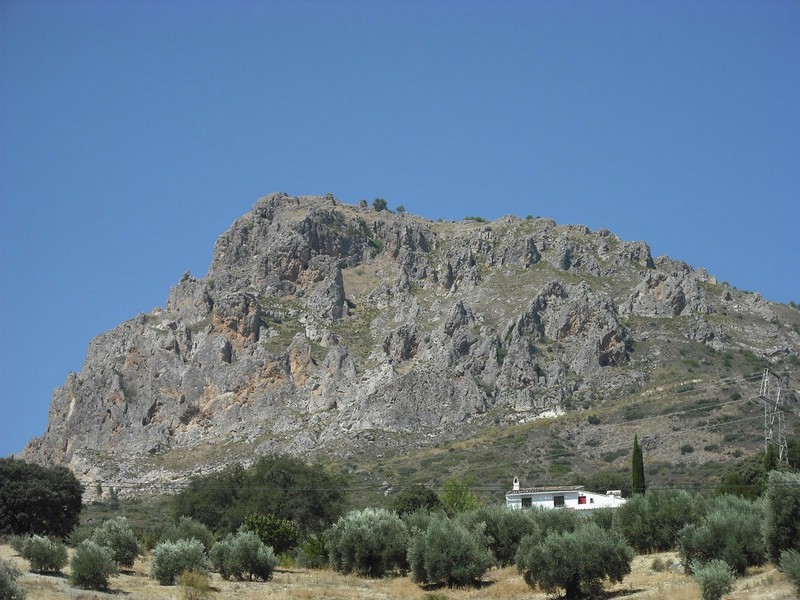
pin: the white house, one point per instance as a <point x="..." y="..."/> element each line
<point x="571" y="496"/>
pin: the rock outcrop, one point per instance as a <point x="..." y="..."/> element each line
<point x="320" y="322"/>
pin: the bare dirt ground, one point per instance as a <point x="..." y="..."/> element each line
<point x="764" y="583"/>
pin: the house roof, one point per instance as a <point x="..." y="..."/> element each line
<point x="552" y="488"/>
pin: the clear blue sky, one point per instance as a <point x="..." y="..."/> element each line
<point x="133" y="133"/>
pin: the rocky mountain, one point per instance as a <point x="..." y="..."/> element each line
<point x="338" y="330"/>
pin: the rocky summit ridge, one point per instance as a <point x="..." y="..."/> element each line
<point x="324" y="328"/>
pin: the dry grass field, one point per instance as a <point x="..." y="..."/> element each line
<point x="644" y="582"/>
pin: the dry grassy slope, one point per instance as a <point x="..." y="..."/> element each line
<point x="643" y="583"/>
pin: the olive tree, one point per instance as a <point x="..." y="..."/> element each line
<point x="91" y="567"/>
<point x="650" y="522"/>
<point x="370" y="542"/>
<point x="447" y="552"/>
<point x="782" y="520"/>
<point x="503" y="529"/>
<point x="118" y="536"/>
<point x="729" y="531"/>
<point x="576" y="561"/>
<point x="243" y="554"/>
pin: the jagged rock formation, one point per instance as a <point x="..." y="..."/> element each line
<point x="321" y="325"/>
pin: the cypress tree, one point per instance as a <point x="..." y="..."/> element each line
<point x="637" y="468"/>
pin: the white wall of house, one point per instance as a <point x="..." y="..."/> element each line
<point x="574" y="497"/>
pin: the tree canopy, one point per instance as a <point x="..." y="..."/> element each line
<point x="457" y="496"/>
<point x="416" y="497"/>
<point x="38" y="500"/>
<point x="286" y="487"/>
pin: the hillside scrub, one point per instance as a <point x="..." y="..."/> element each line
<point x="749" y="477"/>
<point x="576" y="561"/>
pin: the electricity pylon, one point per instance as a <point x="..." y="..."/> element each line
<point x="774" y="415"/>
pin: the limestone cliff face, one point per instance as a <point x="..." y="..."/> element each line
<point x="321" y="323"/>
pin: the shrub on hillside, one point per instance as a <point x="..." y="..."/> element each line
<point x="503" y="529"/>
<point x="79" y="534"/>
<point x="370" y="542"/>
<point x="312" y="553"/>
<point x="447" y="552"/>
<point x="650" y="522"/>
<point x="714" y="577"/>
<point x="243" y="554"/>
<point x="117" y="536"/>
<point x="576" y="561"/>
<point x="282" y="535"/>
<point x="44" y="554"/>
<point x="188" y="528"/>
<point x="790" y="564"/>
<point x="730" y="531"/>
<point x="170" y="559"/>
<point x="194" y="585"/>
<point x="781" y="523"/>
<point x="92" y="566"/>
<point x="414" y="498"/>
<point x="747" y="478"/>
<point x="9" y="588"/>
<point x="458" y="497"/>
<point x="607" y="479"/>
